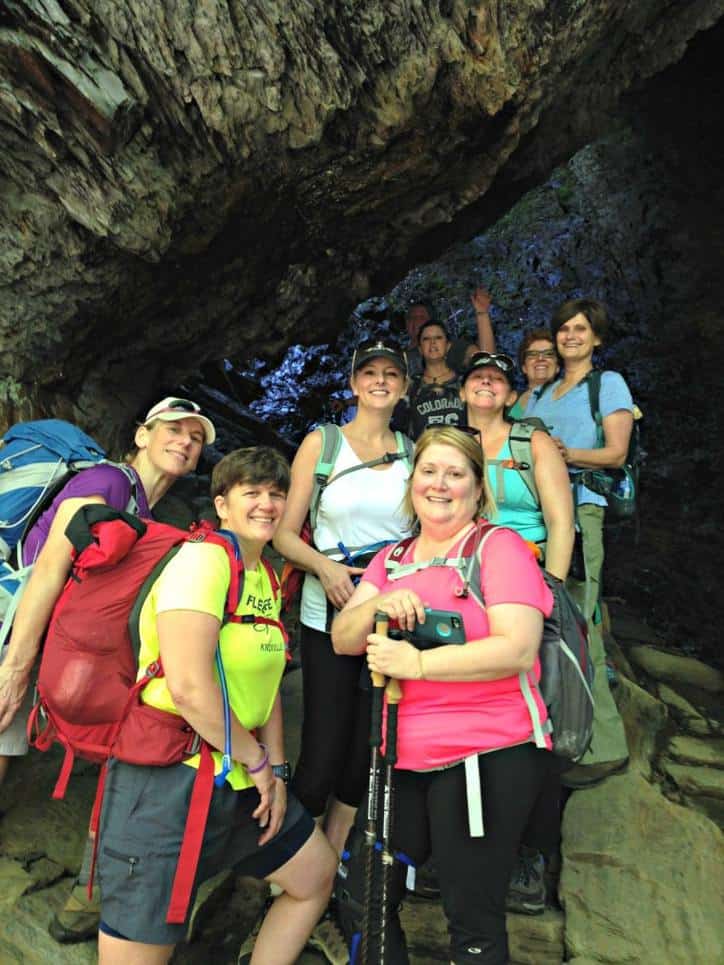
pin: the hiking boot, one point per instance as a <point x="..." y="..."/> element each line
<point x="328" y="940"/>
<point x="78" y="919"/>
<point x="427" y="884"/>
<point x="589" y="775"/>
<point x="527" y="890"/>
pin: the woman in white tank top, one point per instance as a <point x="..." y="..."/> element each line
<point x="364" y="508"/>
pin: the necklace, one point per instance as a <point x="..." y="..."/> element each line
<point x="444" y="377"/>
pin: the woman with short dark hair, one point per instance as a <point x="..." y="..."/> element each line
<point x="254" y="826"/>
<point x="579" y="327"/>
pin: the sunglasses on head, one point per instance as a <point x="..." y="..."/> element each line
<point x="481" y="359"/>
<point x="184" y="405"/>
<point x="469" y="431"/>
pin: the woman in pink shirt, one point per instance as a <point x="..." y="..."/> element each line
<point x="462" y="713"/>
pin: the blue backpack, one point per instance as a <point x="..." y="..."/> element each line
<point x="36" y="460"/>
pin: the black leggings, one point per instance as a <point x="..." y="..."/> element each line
<point x="432" y="817"/>
<point x="334" y="756"/>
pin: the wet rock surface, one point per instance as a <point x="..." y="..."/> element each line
<point x="642" y="853"/>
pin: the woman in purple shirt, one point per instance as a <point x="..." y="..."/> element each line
<point x="167" y="446"/>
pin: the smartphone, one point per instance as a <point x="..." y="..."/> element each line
<point x="440" y="627"/>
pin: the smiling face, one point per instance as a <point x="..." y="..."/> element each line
<point x="378" y="383"/>
<point x="487" y="389"/>
<point x="540" y="362"/>
<point x="173" y="448"/>
<point x="445" y="491"/>
<point x="433" y="344"/>
<point x="576" y="340"/>
<point x="251" y="510"/>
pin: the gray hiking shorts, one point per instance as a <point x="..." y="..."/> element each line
<point x="141" y="830"/>
<point x="13" y="740"/>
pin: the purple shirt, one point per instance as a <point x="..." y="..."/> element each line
<point x="104" y="480"/>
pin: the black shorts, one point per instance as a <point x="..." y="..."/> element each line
<point x="141" y="830"/>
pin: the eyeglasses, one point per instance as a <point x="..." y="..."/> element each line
<point x="539" y="353"/>
<point x="503" y="362"/>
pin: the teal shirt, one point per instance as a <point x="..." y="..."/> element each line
<point x="516" y="507"/>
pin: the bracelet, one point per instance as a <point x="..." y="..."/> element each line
<point x="264" y="761"/>
<point x="422" y="669"/>
<point x="485" y="311"/>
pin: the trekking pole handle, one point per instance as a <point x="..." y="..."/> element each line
<point x="392" y="686"/>
<point x="382" y="623"/>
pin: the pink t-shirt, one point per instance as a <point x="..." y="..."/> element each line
<point x="442" y="722"/>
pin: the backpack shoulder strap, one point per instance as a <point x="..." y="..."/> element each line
<point x="405" y="448"/>
<point x="132" y="506"/>
<point x="522" y="452"/>
<point x="331" y="444"/>
<point x="593" y="382"/>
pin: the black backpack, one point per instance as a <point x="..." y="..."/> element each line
<point x="566" y="681"/>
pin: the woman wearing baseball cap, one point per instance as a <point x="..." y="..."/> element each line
<point x="362" y="509"/>
<point x="167" y="445"/>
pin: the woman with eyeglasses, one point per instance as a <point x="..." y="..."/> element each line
<point x="167" y="446"/>
<point x="538" y="361"/>
<point x="362" y="508"/>
<point x="579" y="327"/>
<point x="544" y="517"/>
<point x="468" y="771"/>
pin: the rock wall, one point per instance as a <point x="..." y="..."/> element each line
<point x="180" y="181"/>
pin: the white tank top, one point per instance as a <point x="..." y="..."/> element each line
<point x="363" y="508"/>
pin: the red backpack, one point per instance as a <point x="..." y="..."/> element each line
<point x="88" y="691"/>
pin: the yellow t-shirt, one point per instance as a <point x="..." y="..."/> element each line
<point x="197" y="578"/>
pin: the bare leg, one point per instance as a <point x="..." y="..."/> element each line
<point x="307" y="880"/>
<point x="338" y="823"/>
<point x="118" y="951"/>
<point x="4" y="765"/>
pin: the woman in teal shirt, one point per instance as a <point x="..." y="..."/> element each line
<point x="546" y="520"/>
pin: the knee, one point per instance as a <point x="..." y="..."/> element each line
<point x="315" y="867"/>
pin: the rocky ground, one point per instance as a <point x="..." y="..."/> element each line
<point x="643" y="853"/>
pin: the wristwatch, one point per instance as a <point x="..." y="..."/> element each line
<point x="284" y="771"/>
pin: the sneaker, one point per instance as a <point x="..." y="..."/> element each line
<point x="248" y="945"/>
<point x="328" y="940"/>
<point x="79" y="918"/>
<point x="527" y="890"/>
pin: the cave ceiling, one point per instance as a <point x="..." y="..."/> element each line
<point x="182" y="182"/>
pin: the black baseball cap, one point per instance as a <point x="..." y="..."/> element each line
<point x="378" y="350"/>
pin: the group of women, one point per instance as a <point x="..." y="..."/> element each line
<point x="462" y="710"/>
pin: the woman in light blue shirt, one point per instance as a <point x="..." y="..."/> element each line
<point x="579" y="327"/>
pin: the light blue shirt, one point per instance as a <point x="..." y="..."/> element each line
<point x="569" y="418"/>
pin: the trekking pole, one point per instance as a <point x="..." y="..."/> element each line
<point x="370" y="835"/>
<point x="393" y="694"/>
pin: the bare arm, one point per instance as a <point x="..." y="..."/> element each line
<point x="554" y="489"/>
<point x="351" y="627"/>
<point x="481" y="301"/>
<point x="187" y="642"/>
<point x="616" y="432"/>
<point x="510" y="647"/>
<point x="36" y="605"/>
<point x="334" y="577"/>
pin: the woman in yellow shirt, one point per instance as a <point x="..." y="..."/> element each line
<point x="254" y="826"/>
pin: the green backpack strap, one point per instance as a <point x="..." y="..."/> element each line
<point x="522" y="450"/>
<point x="405" y="448"/>
<point x="331" y="444"/>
